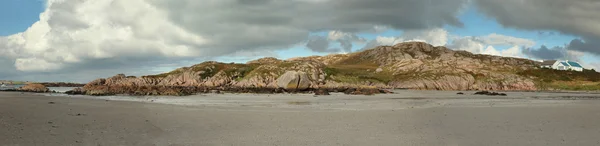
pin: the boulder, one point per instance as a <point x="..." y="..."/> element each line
<point x="383" y="91"/>
<point x="322" y="92"/>
<point x="489" y="93"/>
<point x="34" y="88"/>
<point x="75" y="91"/>
<point x="293" y="81"/>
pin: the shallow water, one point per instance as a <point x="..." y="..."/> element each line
<point x="60" y="89"/>
<point x="9" y="87"/>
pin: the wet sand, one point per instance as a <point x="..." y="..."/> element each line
<point x="405" y="118"/>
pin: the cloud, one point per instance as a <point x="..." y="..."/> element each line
<point x="514" y="51"/>
<point x="477" y="44"/>
<point x="498" y="39"/>
<point x="322" y="44"/>
<point x="435" y="36"/>
<point x="485" y="44"/>
<point x="90" y="34"/>
<point x="580" y="45"/>
<point x="558" y="52"/>
<point x="345" y="39"/>
<point x="319" y="44"/>
<point x="546" y="53"/>
<point x="595" y="66"/>
<point x="572" y="17"/>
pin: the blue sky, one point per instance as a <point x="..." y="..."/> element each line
<point x="16" y="16"/>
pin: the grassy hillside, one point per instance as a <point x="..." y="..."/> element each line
<point x="422" y="64"/>
<point x="564" y="80"/>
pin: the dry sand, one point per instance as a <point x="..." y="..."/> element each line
<point x="406" y="118"/>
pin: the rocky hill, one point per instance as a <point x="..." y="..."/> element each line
<point x="412" y="65"/>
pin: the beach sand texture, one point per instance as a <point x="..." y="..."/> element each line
<point x="404" y="118"/>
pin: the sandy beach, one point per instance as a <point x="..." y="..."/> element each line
<point x="404" y="118"/>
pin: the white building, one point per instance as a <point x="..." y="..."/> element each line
<point x="562" y="65"/>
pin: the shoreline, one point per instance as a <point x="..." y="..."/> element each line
<point x="334" y="100"/>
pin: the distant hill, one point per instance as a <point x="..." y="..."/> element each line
<point x="13" y="82"/>
<point x="412" y="65"/>
<point x="47" y="84"/>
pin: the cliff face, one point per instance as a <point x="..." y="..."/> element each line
<point x="407" y="65"/>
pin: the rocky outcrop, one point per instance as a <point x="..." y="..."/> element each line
<point x="294" y="81"/>
<point x="412" y="65"/>
<point x="62" y="84"/>
<point x="34" y="88"/>
<point x="76" y="91"/>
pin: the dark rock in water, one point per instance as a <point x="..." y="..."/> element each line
<point x="62" y="84"/>
<point x="215" y="91"/>
<point x="383" y="91"/>
<point x="363" y="91"/>
<point x="278" y="90"/>
<point x="482" y="93"/>
<point x="50" y="102"/>
<point x="350" y="91"/>
<point x="75" y="91"/>
<point x="460" y="93"/>
<point x="370" y="91"/>
<point x="322" y="92"/>
<point x="489" y="93"/>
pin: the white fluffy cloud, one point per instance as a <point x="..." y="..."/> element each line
<point x="498" y="39"/>
<point x="478" y="45"/>
<point x="86" y="39"/>
<point x="76" y="31"/>
<point x="485" y="45"/>
<point x="107" y="36"/>
<point x="436" y="37"/>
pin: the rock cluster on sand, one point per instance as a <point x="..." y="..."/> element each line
<point x="34" y="88"/>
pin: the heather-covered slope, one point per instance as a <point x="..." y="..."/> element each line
<point x="411" y="65"/>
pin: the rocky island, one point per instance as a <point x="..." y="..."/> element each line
<point x="412" y="65"/>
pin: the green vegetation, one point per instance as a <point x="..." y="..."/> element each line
<point x="551" y="75"/>
<point x="357" y="73"/>
<point x="265" y="70"/>
<point x="564" y="80"/>
<point x="210" y="69"/>
<point x="573" y="85"/>
<point x="177" y="71"/>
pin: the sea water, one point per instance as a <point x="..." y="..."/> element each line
<point x="61" y="89"/>
<point x="10" y="87"/>
<point x="57" y="89"/>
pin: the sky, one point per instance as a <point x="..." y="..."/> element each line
<point x="81" y="40"/>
